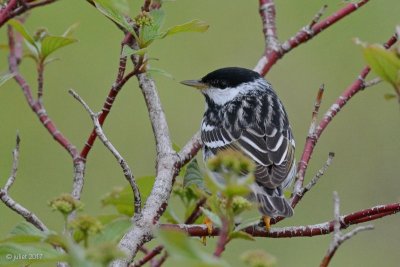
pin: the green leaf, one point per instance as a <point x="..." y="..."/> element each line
<point x="216" y="220"/>
<point x="122" y="197"/>
<point x="178" y="244"/>
<point x="152" y="71"/>
<point x="53" y="43"/>
<point x="25" y="228"/>
<point x="113" y="231"/>
<point x="384" y="62"/>
<point x="247" y="223"/>
<point x="241" y="235"/>
<point x="193" y="175"/>
<point x="19" y="27"/>
<point x="149" y="33"/>
<point x="5" y="77"/>
<point x="171" y="217"/>
<point x="191" y="26"/>
<point x="110" y="9"/>
<point x="181" y="248"/>
<point x="127" y="51"/>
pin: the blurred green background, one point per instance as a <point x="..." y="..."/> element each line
<point x="364" y="136"/>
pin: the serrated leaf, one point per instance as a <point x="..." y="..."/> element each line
<point x="113" y="231"/>
<point x="216" y="220"/>
<point x="241" y="235"/>
<point x="383" y="62"/>
<point x="19" y="27"/>
<point x="191" y="26"/>
<point x="389" y="96"/>
<point x="193" y="175"/>
<point x="52" y="43"/>
<point x="127" y="51"/>
<point x="110" y="10"/>
<point x="5" y="77"/>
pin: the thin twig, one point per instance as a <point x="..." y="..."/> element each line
<point x="36" y="106"/>
<point x="338" y="237"/>
<point x="161" y="260"/>
<point x="13" y="9"/>
<point x="319" y="174"/>
<point x="149" y="256"/>
<point x="196" y="213"/>
<point x="357" y="86"/>
<point x="372" y="82"/>
<point x="223" y="238"/>
<point x="10" y="202"/>
<point x="14" y="169"/>
<point x="124" y="165"/>
<point x="318" y="16"/>
<point x="266" y="62"/>
<point x="116" y="87"/>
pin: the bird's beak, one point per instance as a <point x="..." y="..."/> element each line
<point x="195" y="83"/>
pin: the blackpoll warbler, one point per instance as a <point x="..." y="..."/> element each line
<point x="243" y="113"/>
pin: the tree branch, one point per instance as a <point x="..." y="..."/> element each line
<point x="357" y="86"/>
<point x="268" y="14"/>
<point x="11" y="203"/>
<point x="124" y="165"/>
<point x="269" y="59"/>
<point x="120" y="81"/>
<point x="36" y="106"/>
<point x="369" y="214"/>
<point x="13" y="9"/>
<point x="149" y="256"/>
<point x="338" y="237"/>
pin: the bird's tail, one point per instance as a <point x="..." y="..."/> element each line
<point x="272" y="202"/>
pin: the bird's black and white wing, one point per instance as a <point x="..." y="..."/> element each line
<point x="258" y="127"/>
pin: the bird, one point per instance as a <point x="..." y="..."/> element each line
<point x="243" y="113"/>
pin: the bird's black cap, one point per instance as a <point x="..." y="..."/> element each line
<point x="229" y="77"/>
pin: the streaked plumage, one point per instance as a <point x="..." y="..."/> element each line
<point x="244" y="113"/>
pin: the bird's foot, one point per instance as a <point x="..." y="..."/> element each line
<point x="267" y="222"/>
<point x="209" y="225"/>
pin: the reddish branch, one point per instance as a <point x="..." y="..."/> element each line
<point x="268" y="13"/>
<point x="272" y="56"/>
<point x="36" y="105"/>
<point x="366" y="215"/>
<point x="149" y="256"/>
<point x="120" y="81"/>
<point x="18" y="7"/>
<point x="223" y="238"/>
<point x="196" y="213"/>
<point x="312" y="138"/>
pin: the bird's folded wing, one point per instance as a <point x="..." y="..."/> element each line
<point x="271" y="150"/>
